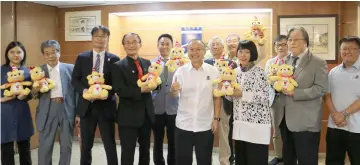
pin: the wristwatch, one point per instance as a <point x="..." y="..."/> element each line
<point x="217" y="118"/>
<point x="346" y="114"/>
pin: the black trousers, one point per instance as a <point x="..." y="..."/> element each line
<point x="338" y="142"/>
<point x="129" y="136"/>
<point x="95" y="117"/>
<point x="231" y="144"/>
<point x="250" y="153"/>
<point x="7" y="153"/>
<point x="162" y="121"/>
<point x="301" y="147"/>
<point x="186" y="140"/>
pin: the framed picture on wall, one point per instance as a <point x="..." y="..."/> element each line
<point x="78" y="25"/>
<point x="322" y="30"/>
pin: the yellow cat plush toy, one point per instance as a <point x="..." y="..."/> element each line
<point x="38" y="77"/>
<point x="152" y="78"/>
<point x="16" y="83"/>
<point x="177" y="58"/>
<point x="227" y="78"/>
<point x="284" y="79"/>
<point x="98" y="89"/>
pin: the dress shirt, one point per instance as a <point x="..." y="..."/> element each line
<point x="102" y="57"/>
<point x="196" y="104"/>
<point x="54" y="74"/>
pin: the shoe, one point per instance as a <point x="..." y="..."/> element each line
<point x="232" y="159"/>
<point x="276" y="161"/>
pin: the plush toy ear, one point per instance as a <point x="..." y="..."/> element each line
<point x="8" y="74"/>
<point x="88" y="77"/>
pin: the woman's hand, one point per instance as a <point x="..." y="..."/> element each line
<point x="6" y="98"/>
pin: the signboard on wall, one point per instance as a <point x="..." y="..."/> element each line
<point x="189" y="33"/>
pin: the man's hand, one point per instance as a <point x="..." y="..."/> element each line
<point x="6" y="98"/>
<point x="36" y="89"/>
<point x="288" y="93"/>
<point x="145" y="89"/>
<point x="77" y="121"/>
<point x="175" y="87"/>
<point x="339" y="119"/>
<point x="214" y="126"/>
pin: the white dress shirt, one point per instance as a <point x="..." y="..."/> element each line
<point x="300" y="57"/>
<point x="196" y="105"/>
<point x="54" y="74"/>
<point x="102" y="57"/>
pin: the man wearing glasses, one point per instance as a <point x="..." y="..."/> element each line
<point x="343" y="101"/>
<point x="299" y="112"/>
<point x="281" y="49"/>
<point x="96" y="112"/>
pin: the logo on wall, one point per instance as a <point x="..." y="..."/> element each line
<point x="189" y="33"/>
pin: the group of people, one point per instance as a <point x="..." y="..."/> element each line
<point x="184" y="106"/>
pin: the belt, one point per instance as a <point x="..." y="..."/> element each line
<point x="58" y="99"/>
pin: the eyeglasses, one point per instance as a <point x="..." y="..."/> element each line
<point x="348" y="49"/>
<point x="47" y="54"/>
<point x="280" y="45"/>
<point x="295" y="40"/>
<point x="101" y="37"/>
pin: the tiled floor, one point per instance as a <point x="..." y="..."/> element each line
<point x="99" y="157"/>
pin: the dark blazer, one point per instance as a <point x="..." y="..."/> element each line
<point x="228" y="105"/>
<point x="83" y="67"/>
<point x="132" y="103"/>
<point x="16" y="121"/>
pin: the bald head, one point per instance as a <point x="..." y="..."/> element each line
<point x="196" y="50"/>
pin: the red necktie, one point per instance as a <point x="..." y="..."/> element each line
<point x="140" y="71"/>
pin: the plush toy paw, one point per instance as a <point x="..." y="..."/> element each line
<point x="7" y="93"/>
<point x="26" y="91"/>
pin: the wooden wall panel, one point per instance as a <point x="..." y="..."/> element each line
<point x="7" y="26"/>
<point x="35" y="24"/>
<point x="346" y="11"/>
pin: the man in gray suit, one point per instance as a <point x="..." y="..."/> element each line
<point x="299" y="112"/>
<point x="56" y="108"/>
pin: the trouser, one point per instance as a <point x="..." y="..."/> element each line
<point x="7" y="153"/>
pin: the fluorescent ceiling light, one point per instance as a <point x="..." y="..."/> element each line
<point x="207" y="11"/>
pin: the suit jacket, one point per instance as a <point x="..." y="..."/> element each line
<point x="69" y="94"/>
<point x="303" y="111"/>
<point x="132" y="103"/>
<point x="228" y="105"/>
<point x="83" y="67"/>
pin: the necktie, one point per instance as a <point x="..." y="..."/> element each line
<point x="139" y="69"/>
<point x="166" y="72"/>
<point x="295" y="58"/>
<point x="97" y="63"/>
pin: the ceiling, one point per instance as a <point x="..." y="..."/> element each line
<point x="65" y="4"/>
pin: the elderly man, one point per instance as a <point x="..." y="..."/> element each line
<point x="198" y="113"/>
<point x="56" y="108"/>
<point x="232" y="42"/>
<point x="281" y="49"/>
<point x="343" y="100"/>
<point x="216" y="45"/>
<point x="299" y="112"/>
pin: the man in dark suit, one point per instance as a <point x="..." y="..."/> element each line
<point x="96" y="112"/>
<point x="216" y="45"/>
<point x="135" y="113"/>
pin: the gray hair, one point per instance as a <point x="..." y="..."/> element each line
<point x="216" y="38"/>
<point x="50" y="43"/>
<point x="233" y="35"/>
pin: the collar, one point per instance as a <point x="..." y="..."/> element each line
<point x="301" y="54"/>
<point x="163" y="59"/>
<point x="56" y="67"/>
<point x="356" y="64"/>
<point x="102" y="53"/>
<point x="132" y="60"/>
<point x="190" y="67"/>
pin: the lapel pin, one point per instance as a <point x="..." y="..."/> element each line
<point x="208" y="78"/>
<point x="108" y="59"/>
<point x="133" y="71"/>
<point x="357" y="77"/>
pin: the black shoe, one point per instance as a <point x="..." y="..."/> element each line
<point x="276" y="161"/>
<point x="232" y="159"/>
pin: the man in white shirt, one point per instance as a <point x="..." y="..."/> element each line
<point x="343" y="100"/>
<point x="56" y="108"/>
<point x="198" y="112"/>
